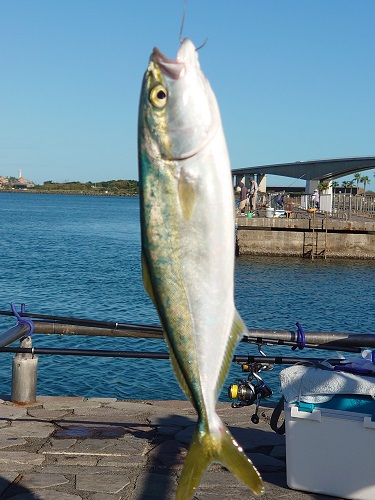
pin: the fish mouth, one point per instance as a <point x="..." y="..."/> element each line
<point x="186" y="63"/>
<point x="171" y="67"/>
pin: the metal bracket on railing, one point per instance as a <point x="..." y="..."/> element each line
<point x="301" y="338"/>
<point x="21" y="319"/>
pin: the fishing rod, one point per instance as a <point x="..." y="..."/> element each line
<point x="86" y="352"/>
<point x="77" y="326"/>
<point x="113" y="325"/>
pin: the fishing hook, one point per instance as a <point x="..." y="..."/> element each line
<point x="182" y="28"/>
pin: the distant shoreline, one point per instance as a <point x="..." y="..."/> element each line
<point x="75" y="193"/>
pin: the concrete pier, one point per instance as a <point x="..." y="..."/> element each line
<point x="342" y="239"/>
<point x="71" y="448"/>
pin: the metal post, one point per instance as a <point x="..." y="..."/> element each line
<point x="24" y="375"/>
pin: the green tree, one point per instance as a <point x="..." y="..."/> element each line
<point x="351" y="185"/>
<point x="323" y="186"/>
<point x="365" y="180"/>
<point x="357" y="178"/>
<point x="345" y="185"/>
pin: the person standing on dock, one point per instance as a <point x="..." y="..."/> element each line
<point x="253" y="191"/>
<point x="315" y="199"/>
<point x="243" y="195"/>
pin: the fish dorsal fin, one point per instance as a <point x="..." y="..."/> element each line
<point x="238" y="329"/>
<point x="187" y="196"/>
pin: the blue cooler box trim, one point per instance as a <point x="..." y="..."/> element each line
<point x="330" y="447"/>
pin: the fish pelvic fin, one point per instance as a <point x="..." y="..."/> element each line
<point x="205" y="449"/>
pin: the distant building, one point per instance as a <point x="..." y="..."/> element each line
<point x="3" y="181"/>
<point x="22" y="183"/>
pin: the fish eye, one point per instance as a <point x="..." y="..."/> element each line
<point x="158" y="96"/>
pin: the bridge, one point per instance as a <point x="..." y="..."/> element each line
<point x="313" y="172"/>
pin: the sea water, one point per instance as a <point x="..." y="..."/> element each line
<point x="79" y="256"/>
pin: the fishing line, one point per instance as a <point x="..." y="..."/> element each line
<point x="183" y="21"/>
<point x="182" y="28"/>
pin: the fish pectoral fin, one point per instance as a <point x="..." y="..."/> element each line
<point x="206" y="449"/>
<point x="187" y="196"/>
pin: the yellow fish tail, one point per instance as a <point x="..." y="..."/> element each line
<point x="206" y="449"/>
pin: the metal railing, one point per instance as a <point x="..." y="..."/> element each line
<point x="24" y="369"/>
<point x="345" y="204"/>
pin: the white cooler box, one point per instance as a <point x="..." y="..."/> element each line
<point x="330" y="447"/>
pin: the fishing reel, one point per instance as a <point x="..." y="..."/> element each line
<point x="250" y="391"/>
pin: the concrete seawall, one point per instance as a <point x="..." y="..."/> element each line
<point x="287" y="237"/>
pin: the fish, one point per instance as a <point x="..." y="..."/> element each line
<point x="187" y="226"/>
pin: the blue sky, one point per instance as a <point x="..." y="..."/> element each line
<point x="295" y="80"/>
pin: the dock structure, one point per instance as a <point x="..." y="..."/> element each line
<point x="306" y="235"/>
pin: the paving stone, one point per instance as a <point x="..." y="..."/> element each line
<point x="168" y="430"/>
<point x="105" y="447"/>
<point x="96" y="409"/>
<point x="103" y="401"/>
<point x="108" y="483"/>
<point x="48" y="415"/>
<point x="20" y="457"/>
<point x="72" y="431"/>
<point x="29" y="428"/>
<point x="122" y="461"/>
<point x="110" y="447"/>
<point x="103" y="416"/>
<point x="154" y="487"/>
<point x="15" y="467"/>
<point x="21" y="494"/>
<point x="59" y="399"/>
<point x="169" y="453"/>
<point x="252" y="437"/>
<point x="177" y="405"/>
<point x="266" y="463"/>
<point x="6" y="479"/>
<point x="186" y="434"/>
<point x="71" y="470"/>
<point x="170" y="419"/>
<point x="53" y="495"/>
<point x="68" y="405"/>
<point x="129" y="407"/>
<point x="36" y="480"/>
<point x="9" y="411"/>
<point x="133" y="444"/>
<point x="84" y="460"/>
<point x="9" y="440"/>
<point x="104" y="496"/>
<point x="93" y="446"/>
<point x="57" y="445"/>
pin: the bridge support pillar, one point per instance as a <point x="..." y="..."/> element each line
<point x="311" y="184"/>
<point x="262" y="183"/>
